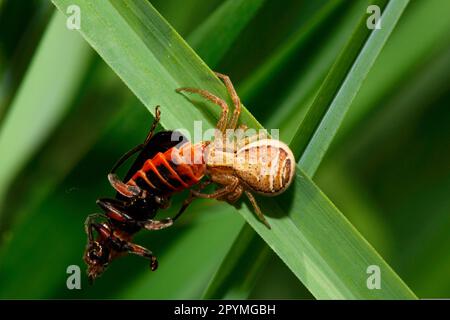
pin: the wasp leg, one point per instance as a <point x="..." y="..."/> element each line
<point x="102" y="229"/>
<point x="154" y="125"/>
<point x="123" y="188"/>
<point x="257" y="209"/>
<point x="222" y="123"/>
<point x="89" y="224"/>
<point x="156" y="224"/>
<point x="142" y="252"/>
<point x="236" y="100"/>
<point x="115" y="210"/>
<point x="138" y="148"/>
<point x="125" y="157"/>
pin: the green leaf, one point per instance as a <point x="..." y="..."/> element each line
<point x="240" y="268"/>
<point x="15" y="53"/>
<point x="231" y="280"/>
<point x="42" y="98"/>
<point x="61" y="151"/>
<point x="253" y="84"/>
<point x="200" y="258"/>
<point x="230" y="18"/>
<point x="147" y="42"/>
<point x="401" y="58"/>
<point x="247" y="245"/>
<point x="402" y="99"/>
<point x="52" y="253"/>
<point x="294" y="105"/>
<point x="61" y="157"/>
<point x="340" y="87"/>
<point x="308" y="232"/>
<point x="212" y="48"/>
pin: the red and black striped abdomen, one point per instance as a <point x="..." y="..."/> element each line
<point x="171" y="171"/>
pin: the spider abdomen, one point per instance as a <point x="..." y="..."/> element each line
<point x="266" y="166"/>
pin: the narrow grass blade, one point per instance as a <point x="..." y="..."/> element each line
<point x="294" y="105"/>
<point x="214" y="37"/>
<point x="279" y="58"/>
<point x="212" y="48"/>
<point x="200" y="258"/>
<point x="400" y="59"/>
<point x="240" y="268"/>
<point x="40" y="208"/>
<point x="308" y="232"/>
<point x="141" y="30"/>
<point x="227" y="282"/>
<point x="327" y="127"/>
<point x="26" y="37"/>
<point x="62" y="151"/>
<point x="42" y="98"/>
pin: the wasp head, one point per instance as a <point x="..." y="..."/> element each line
<point x="97" y="257"/>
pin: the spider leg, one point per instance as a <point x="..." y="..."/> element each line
<point x="236" y="101"/>
<point x="222" y="123"/>
<point x="257" y="209"/>
<point x="231" y="185"/>
<point x="190" y="198"/>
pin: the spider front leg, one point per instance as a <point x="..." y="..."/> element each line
<point x="234" y="97"/>
<point x="223" y="120"/>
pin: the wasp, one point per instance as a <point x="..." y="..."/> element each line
<point x="151" y="180"/>
<point x="168" y="163"/>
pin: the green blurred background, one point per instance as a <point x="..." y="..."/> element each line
<point x="388" y="169"/>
